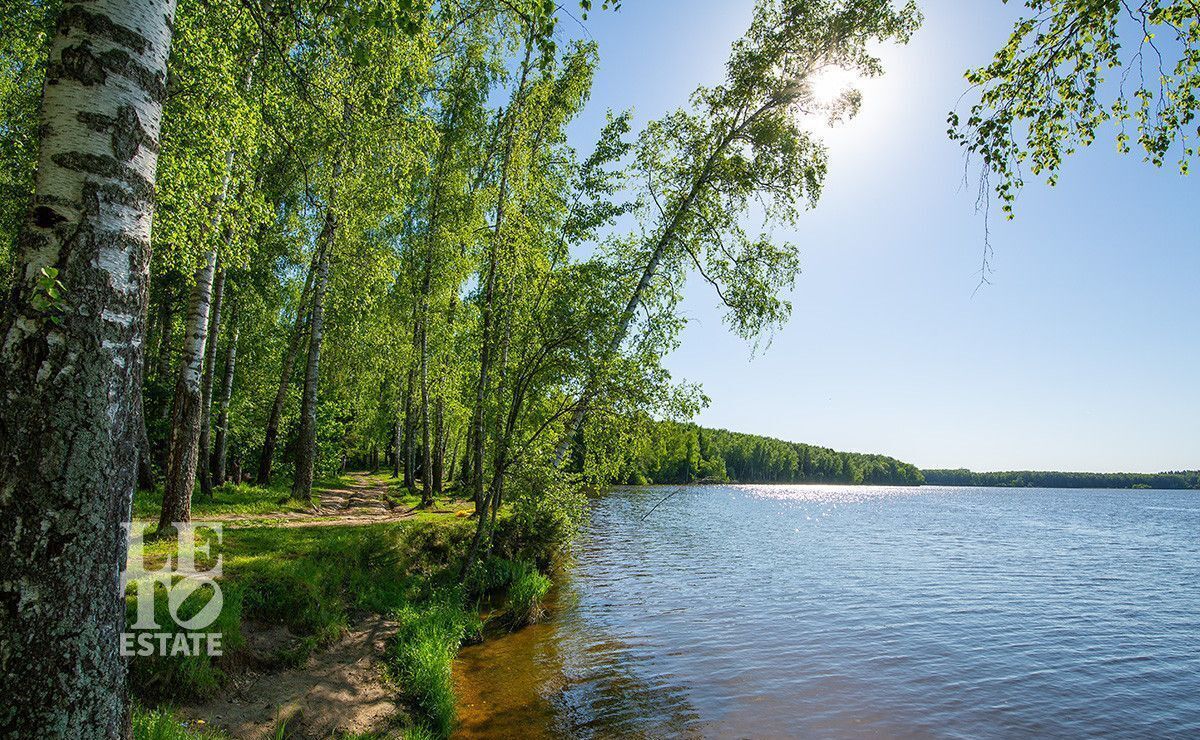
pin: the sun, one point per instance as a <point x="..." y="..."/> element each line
<point x="831" y="82"/>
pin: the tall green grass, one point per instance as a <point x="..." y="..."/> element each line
<point x="423" y="651"/>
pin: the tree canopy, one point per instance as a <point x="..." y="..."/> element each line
<point x="1070" y="69"/>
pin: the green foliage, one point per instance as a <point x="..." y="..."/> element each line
<point x="683" y="453"/>
<point x="242" y="499"/>
<point x="48" y="296"/>
<point x="526" y="590"/>
<point x="1069" y="68"/>
<point x="546" y="511"/>
<point x="193" y="677"/>
<point x="488" y="284"/>
<point x="317" y="581"/>
<point x="1057" y="479"/>
<point x="522" y="583"/>
<point x="24" y="43"/>
<point x="483" y="274"/>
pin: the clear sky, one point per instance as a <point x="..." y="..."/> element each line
<point x="1081" y="355"/>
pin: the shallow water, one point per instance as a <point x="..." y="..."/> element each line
<point x="767" y="611"/>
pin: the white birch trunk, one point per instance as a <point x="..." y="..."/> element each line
<point x="69" y="371"/>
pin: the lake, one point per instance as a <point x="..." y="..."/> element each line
<point x="838" y="611"/>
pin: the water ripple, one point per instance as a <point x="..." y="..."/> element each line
<point x="835" y="611"/>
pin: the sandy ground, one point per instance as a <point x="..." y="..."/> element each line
<point x="339" y="690"/>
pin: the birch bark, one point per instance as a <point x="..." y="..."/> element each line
<point x="69" y="371"/>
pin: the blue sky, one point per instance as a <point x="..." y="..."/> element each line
<point x="1082" y="354"/>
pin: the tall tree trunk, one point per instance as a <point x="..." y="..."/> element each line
<point x="184" y="442"/>
<point x="306" y="447"/>
<point x="163" y="368"/>
<point x="166" y="336"/>
<point x="453" y="460"/>
<point x="222" y="441"/>
<point x="206" y="386"/>
<point x="145" y="468"/>
<point x="489" y="291"/>
<point x="410" y="454"/>
<point x="68" y="370"/>
<point x="398" y="441"/>
<point x="439" y="445"/>
<point x="191" y="413"/>
<point x="426" y="431"/>
<point x="664" y="239"/>
<point x="285" y="380"/>
<point x="467" y="472"/>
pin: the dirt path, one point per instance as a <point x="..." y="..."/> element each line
<point x="362" y="501"/>
<point x="338" y="691"/>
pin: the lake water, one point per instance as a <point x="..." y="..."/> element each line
<point x="831" y="611"/>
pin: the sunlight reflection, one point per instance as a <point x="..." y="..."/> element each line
<point x="827" y="494"/>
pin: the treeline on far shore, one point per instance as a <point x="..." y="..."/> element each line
<point x="677" y="452"/>
<point x="1175" y="479"/>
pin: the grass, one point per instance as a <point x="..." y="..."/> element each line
<point x="240" y="499"/>
<point x="423" y="652"/>
<point x="163" y="724"/>
<point x="319" y="580"/>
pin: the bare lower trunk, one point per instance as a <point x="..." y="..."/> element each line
<point x="468" y="463"/>
<point x="184" y="443"/>
<point x="426" y="428"/>
<point x="166" y="333"/>
<point x="306" y="447"/>
<point x="453" y="460"/>
<point x="439" y="445"/>
<point x="285" y="380"/>
<point x="397" y="443"/>
<point x="69" y="370"/>
<point x="222" y="440"/>
<point x="410" y="455"/>
<point x="206" y="386"/>
<point x="145" y="469"/>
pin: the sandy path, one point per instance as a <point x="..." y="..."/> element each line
<point x="339" y="690"/>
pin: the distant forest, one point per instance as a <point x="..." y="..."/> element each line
<point x="1058" y="479"/>
<point x="683" y="453"/>
<point x="677" y="452"/>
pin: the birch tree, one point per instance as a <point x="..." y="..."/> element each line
<point x="741" y="142"/>
<point x="70" y="360"/>
<point x="204" y="156"/>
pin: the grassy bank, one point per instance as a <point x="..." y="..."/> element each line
<point x="318" y="581"/>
